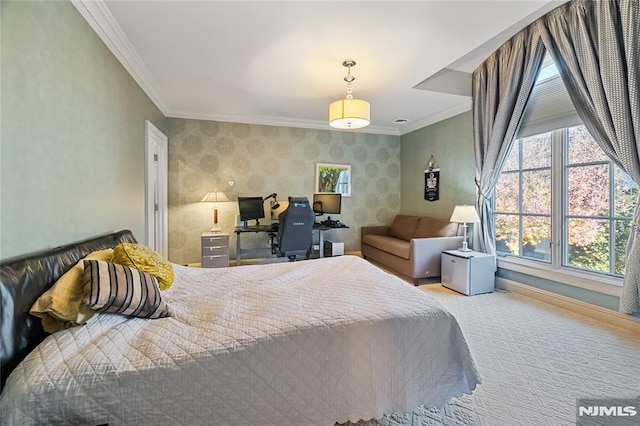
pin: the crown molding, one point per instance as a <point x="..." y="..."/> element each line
<point x="459" y="108"/>
<point x="279" y="121"/>
<point x="99" y="17"/>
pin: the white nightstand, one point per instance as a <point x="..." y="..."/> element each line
<point x="468" y="272"/>
<point x="215" y="250"/>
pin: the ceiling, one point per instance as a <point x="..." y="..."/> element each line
<point x="280" y="63"/>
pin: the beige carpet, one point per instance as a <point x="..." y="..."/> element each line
<point x="536" y="360"/>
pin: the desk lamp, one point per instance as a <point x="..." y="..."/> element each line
<point x="275" y="204"/>
<point x="215" y="197"/>
<point x="464" y="214"/>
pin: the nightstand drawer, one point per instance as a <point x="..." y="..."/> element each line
<point x="215" y="241"/>
<point x="217" y="261"/>
<point x="215" y="250"/>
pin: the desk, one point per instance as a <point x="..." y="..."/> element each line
<point x="267" y="229"/>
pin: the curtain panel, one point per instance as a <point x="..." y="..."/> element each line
<point x="596" y="48"/>
<point x="501" y="87"/>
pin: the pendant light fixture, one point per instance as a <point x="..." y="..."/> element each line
<point x="349" y="113"/>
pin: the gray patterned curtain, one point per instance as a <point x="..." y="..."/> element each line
<point x="596" y="47"/>
<point x="501" y="89"/>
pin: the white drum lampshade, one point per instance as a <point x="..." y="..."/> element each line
<point x="349" y="114"/>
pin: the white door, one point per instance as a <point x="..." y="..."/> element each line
<point x="156" y="153"/>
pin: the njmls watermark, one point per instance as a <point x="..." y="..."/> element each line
<point x="608" y="412"/>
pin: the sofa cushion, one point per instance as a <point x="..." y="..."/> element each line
<point x="388" y="244"/>
<point x="429" y="227"/>
<point x="404" y="226"/>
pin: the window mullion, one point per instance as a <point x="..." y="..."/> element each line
<point x="520" y="198"/>
<point x="557" y="197"/>
<point x="612" y="222"/>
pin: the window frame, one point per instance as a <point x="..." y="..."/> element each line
<point x="555" y="269"/>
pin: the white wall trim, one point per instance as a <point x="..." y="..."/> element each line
<point x="599" y="283"/>
<point x="279" y="121"/>
<point x="605" y="315"/>
<point x="99" y="17"/>
<point x="463" y="106"/>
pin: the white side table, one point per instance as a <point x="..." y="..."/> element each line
<point x="468" y="272"/>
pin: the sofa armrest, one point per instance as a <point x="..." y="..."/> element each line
<point x="435" y="244"/>
<point x="425" y="254"/>
<point x="374" y="230"/>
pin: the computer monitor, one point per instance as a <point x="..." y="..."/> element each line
<point x="327" y="203"/>
<point x="251" y="208"/>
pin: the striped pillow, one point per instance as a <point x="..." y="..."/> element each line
<point x="119" y="289"/>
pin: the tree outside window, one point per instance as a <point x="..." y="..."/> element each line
<point x="523" y="199"/>
<point x="599" y="207"/>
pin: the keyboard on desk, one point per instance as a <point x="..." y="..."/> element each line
<point x="333" y="224"/>
<point x="256" y="228"/>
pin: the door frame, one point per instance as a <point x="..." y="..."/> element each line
<point x="155" y="138"/>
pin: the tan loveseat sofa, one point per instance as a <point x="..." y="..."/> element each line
<point x="412" y="245"/>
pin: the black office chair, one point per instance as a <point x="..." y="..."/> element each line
<point x="295" y="232"/>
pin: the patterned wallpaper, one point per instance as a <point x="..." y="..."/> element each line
<point x="207" y="155"/>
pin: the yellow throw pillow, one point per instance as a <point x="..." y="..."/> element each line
<point x="61" y="306"/>
<point x="144" y="259"/>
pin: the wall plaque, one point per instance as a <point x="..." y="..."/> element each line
<point x="432" y="181"/>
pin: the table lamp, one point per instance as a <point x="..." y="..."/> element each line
<point x="215" y="197"/>
<point x="465" y="214"/>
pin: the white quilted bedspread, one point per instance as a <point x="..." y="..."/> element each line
<point x="306" y="343"/>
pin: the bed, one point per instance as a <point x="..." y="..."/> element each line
<point x="314" y="343"/>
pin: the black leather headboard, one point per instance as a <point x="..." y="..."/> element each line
<point x="23" y="280"/>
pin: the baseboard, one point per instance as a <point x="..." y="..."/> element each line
<point x="605" y="315"/>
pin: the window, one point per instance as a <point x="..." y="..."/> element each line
<point x="595" y="206"/>
<point x="523" y="200"/>
<point x="558" y="185"/>
<point x="598" y="208"/>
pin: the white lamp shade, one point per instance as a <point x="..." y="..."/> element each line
<point x="349" y="114"/>
<point x="214" y="197"/>
<point x="465" y="214"/>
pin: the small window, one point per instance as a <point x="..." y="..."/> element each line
<point x="523" y="200"/>
<point x="599" y="206"/>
